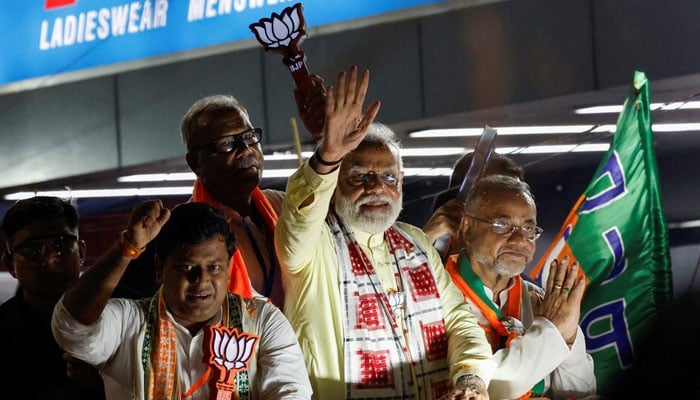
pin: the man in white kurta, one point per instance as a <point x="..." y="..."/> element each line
<point x="276" y="371"/>
<point x="192" y="337"/>
<point x="538" y="347"/>
<point x="375" y="313"/>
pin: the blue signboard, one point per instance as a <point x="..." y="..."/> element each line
<point x="48" y="37"/>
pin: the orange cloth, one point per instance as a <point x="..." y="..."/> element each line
<point x="239" y="281"/>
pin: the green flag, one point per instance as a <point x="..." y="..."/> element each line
<point x="618" y="234"/>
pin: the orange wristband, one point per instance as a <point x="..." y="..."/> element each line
<point x="128" y="249"/>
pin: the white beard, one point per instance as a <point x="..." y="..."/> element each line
<point x="368" y="221"/>
<point x="501" y="267"/>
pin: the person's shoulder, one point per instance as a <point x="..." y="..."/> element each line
<point x="273" y="194"/>
<point x="406" y="226"/>
<point x="413" y="231"/>
<point x="275" y="197"/>
<point x="9" y="311"/>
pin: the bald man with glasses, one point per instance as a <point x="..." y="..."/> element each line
<point x="538" y="346"/>
<point x="223" y="150"/>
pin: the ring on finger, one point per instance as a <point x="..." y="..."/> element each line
<point x="557" y="286"/>
<point x="566" y="290"/>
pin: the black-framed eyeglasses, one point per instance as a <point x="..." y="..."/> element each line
<point x="229" y="143"/>
<point x="35" y="249"/>
<point x="387" y="178"/>
<point x="502" y="227"/>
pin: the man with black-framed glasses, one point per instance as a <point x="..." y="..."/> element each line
<point x="223" y="150"/>
<point x="538" y="346"/>
<point x="43" y="252"/>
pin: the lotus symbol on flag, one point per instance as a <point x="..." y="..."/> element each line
<point x="231" y="349"/>
<point x="279" y="31"/>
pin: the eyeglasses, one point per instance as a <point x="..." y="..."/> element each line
<point x="502" y="227"/>
<point x="228" y="143"/>
<point x="387" y="178"/>
<point x="35" y="249"/>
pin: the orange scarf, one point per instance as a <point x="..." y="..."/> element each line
<point x="239" y="281"/>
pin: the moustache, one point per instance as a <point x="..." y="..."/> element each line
<point x="247" y="162"/>
<point x="371" y="198"/>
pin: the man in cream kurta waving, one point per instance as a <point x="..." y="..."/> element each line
<point x="374" y="310"/>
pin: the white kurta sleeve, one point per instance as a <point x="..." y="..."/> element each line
<point x="541" y="352"/>
<point x="96" y="343"/>
<point x="281" y="371"/>
<point x="575" y="376"/>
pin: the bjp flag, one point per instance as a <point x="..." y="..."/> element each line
<point x="617" y="232"/>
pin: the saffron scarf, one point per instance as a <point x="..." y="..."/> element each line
<point x="501" y="329"/>
<point x="158" y="352"/>
<point x="381" y="360"/>
<point x="239" y="281"/>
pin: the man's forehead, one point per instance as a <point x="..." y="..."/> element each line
<point x="42" y="227"/>
<point x="226" y="123"/>
<point x="371" y="157"/>
<point x="508" y="203"/>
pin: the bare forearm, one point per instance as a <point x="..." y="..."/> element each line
<point x="86" y="300"/>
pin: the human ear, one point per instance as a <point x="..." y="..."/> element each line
<point x="193" y="161"/>
<point x="7" y="260"/>
<point x="464" y="226"/>
<point x="159" y="269"/>
<point x="82" y="251"/>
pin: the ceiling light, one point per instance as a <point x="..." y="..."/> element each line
<point x="278" y="173"/>
<point x="93" y="193"/>
<point x="503" y="131"/>
<point x="685" y="224"/>
<point x="433" y="151"/>
<point x="591" y="147"/>
<point x="675" y="127"/>
<point x="172" y="176"/>
<point x="605" y="128"/>
<point x="455" y="132"/>
<point x="559" y="148"/>
<point x="286" y="156"/>
<point x="616" y="109"/>
<point x="427" y="172"/>
<point x="507" y="150"/>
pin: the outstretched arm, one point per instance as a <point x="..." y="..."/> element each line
<point x="345" y="125"/>
<point x="310" y="189"/>
<point x="86" y="300"/>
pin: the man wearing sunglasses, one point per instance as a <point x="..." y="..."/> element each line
<point x="44" y="254"/>
<point x="223" y="150"/>
<point x="537" y="343"/>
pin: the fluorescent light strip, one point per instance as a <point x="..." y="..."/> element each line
<point x="172" y="176"/>
<point x="616" y="109"/>
<point x="588" y="147"/>
<point x="277" y="173"/>
<point x="94" y="193"/>
<point x="546" y="130"/>
<point x="685" y="224"/>
<point x="504" y="131"/>
<point x="287" y="156"/>
<point x="560" y="148"/>
<point x="675" y="127"/>
<point x="427" y="172"/>
<point x="433" y="151"/>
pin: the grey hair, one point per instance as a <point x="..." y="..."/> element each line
<point x="203" y="111"/>
<point x="380" y="134"/>
<point x="497" y="182"/>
